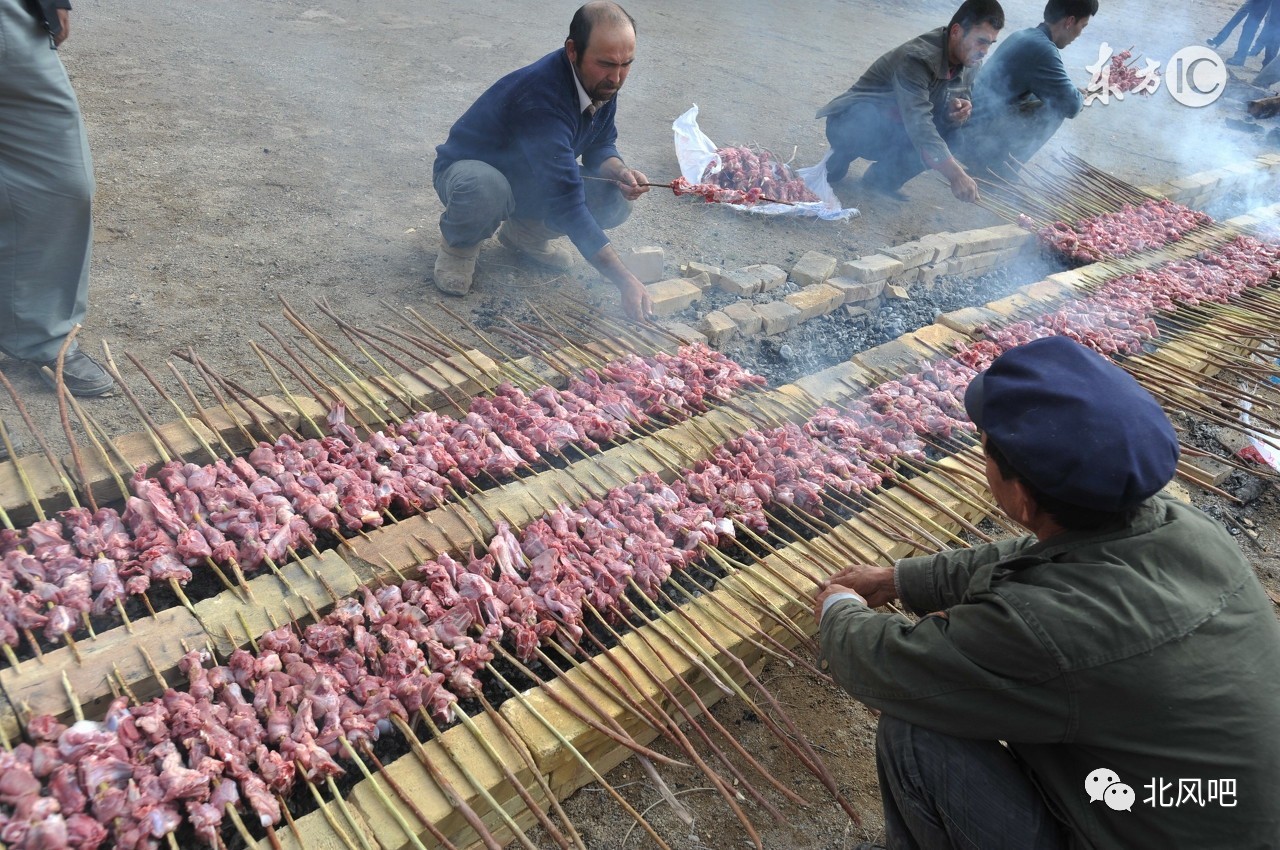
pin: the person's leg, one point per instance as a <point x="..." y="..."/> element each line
<point x="942" y="792"/>
<point x="605" y="202"/>
<point x="1226" y="31"/>
<point x="1257" y="12"/>
<point x="46" y="193"/>
<point x="850" y="133"/>
<point x="477" y="198"/>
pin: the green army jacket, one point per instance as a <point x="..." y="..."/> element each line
<point x="915" y="80"/>
<point x="1151" y="651"/>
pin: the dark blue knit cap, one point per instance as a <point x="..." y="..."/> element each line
<point x="1074" y="425"/>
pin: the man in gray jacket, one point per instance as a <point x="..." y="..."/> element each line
<point x="1023" y="93"/>
<point x="900" y="113"/>
<point x="46" y="195"/>
<point x="1125" y="653"/>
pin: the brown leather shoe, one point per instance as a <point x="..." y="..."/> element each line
<point x="455" y="268"/>
<point x="535" y="241"/>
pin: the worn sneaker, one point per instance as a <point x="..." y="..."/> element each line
<point x="82" y="375"/>
<point x="455" y="268"/>
<point x="535" y="241"/>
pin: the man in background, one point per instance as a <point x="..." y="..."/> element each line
<point x="900" y="113"/>
<point x="46" y="196"/>
<point x="512" y="161"/>
<point x="1023" y="93"/>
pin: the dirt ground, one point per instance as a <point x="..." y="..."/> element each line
<point x="248" y="152"/>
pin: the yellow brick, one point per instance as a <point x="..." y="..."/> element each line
<point x="813" y="301"/>
<point x="672" y="296"/>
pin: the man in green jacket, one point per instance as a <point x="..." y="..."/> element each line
<point x="1111" y="681"/>
<point x="900" y="113"/>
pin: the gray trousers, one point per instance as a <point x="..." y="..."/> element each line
<point x="477" y="199"/>
<point x="46" y="193"/>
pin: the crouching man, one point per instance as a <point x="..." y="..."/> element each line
<point x="1064" y="689"/>
<point x="512" y="160"/>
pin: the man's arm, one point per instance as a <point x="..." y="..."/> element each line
<point x="937" y="582"/>
<point x="911" y="88"/>
<point x="1050" y="83"/>
<point x="635" y="298"/>
<point x="978" y="672"/>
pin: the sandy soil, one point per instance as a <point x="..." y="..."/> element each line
<point x="248" y="152"/>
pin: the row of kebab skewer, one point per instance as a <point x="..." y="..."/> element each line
<point x="307" y="703"/>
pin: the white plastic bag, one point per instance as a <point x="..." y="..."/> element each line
<point x="694" y="152"/>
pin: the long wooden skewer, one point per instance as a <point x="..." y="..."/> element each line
<point x="672" y="188"/>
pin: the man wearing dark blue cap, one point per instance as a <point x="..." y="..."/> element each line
<point x="1111" y="680"/>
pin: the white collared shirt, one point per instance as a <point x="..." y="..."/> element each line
<point x="584" y="100"/>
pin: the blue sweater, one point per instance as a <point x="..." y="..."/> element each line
<point x="528" y="125"/>
<point x="1027" y="65"/>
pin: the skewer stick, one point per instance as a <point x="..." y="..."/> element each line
<point x="61" y="386"/>
<point x="346" y="813"/>
<point x="719" y="727"/>
<point x="9" y="447"/>
<point x="796" y="742"/>
<point x="672" y="188"/>
<point x="200" y="412"/>
<point x="32" y="499"/>
<point x="719" y="782"/>
<point x="407" y="799"/>
<point x="590" y="768"/>
<point x="446" y="787"/>
<point x="238" y="823"/>
<point x="513" y="738"/>
<point x="328" y="815"/>
<point x="357" y="383"/>
<point x="163" y="447"/>
<point x="531" y="804"/>
<point x="621" y="738"/>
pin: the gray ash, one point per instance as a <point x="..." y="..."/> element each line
<point x="837" y="336"/>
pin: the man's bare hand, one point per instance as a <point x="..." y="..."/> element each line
<point x="629" y="183"/>
<point x="960" y="110"/>
<point x="872" y="583"/>
<point x="64" y="21"/>
<point x="635" y="301"/>
<point x="964" y="188"/>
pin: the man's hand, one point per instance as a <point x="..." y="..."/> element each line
<point x="635" y="298"/>
<point x="64" y="21"/>
<point x="960" y="110"/>
<point x="636" y="302"/>
<point x="872" y="583"/>
<point x="826" y="591"/>
<point x="964" y="188"/>
<point x="629" y="180"/>
<point x="962" y="185"/>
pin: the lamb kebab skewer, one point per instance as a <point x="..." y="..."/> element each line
<point x="709" y="192"/>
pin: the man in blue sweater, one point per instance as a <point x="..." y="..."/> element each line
<point x="1023" y="93"/>
<point x="512" y="160"/>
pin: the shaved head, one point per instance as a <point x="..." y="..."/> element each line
<point x="602" y="12"/>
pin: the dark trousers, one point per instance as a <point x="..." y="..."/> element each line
<point x="945" y="793"/>
<point x="1270" y="37"/>
<point x="864" y="131"/>
<point x="1251" y="14"/>
<point x="998" y="143"/>
<point x="477" y="199"/>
